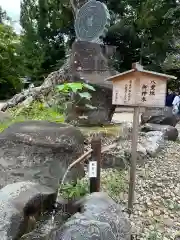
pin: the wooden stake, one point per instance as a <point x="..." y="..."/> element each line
<point x="95" y="165"/>
<point x="132" y="178"/>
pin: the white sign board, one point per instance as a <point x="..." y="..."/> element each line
<point x="145" y="92"/>
<point x="92" y="171"/>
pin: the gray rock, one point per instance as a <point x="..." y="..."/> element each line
<point x="40" y="151"/>
<point x="171" y="133"/>
<point x="148" y="144"/>
<point x="114" y="158"/>
<point x="159" y="116"/>
<point x="102" y="115"/>
<point x="44" y="228"/>
<point x="27" y="102"/>
<point x="100" y="218"/>
<point x="20" y="204"/>
<point x="153" y="142"/>
<point x="119" y="156"/>
<point x="141" y="152"/>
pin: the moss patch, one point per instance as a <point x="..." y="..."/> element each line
<point x="36" y="111"/>
<point x="4" y="125"/>
<point x="106" y="131"/>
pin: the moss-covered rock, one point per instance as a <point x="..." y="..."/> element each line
<point x="106" y="131"/>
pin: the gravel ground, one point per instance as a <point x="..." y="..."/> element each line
<point x="157" y="204"/>
<point x="156" y="213"/>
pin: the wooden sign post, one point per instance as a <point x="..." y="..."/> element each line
<point x="132" y="178"/>
<point x="95" y="165"/>
<point x="138" y="88"/>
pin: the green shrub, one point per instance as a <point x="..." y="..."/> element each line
<point x="36" y="111"/>
<point x="112" y="182"/>
<point x="74" y="190"/>
<point x="80" y="92"/>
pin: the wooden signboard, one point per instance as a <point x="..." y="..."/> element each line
<point x="138" y="88"/>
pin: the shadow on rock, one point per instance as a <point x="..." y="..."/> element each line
<point x="170" y="132"/>
<point x="159" y="116"/>
<point x="21" y="204"/>
<point x="100" y="218"/>
<point x="40" y="151"/>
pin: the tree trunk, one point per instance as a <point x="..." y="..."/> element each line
<point x="31" y="94"/>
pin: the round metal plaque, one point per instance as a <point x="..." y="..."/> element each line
<point x="92" y="21"/>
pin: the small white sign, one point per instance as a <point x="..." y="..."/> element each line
<point x="92" y="169"/>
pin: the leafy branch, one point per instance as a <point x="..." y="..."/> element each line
<point x="77" y="89"/>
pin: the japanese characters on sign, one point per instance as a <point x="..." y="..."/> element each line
<point x="144" y="93"/>
<point x="125" y="92"/>
<point x="116" y="96"/>
<point x="128" y="91"/>
<point x="92" y="169"/>
<point x="152" y="88"/>
<point x="138" y="87"/>
<point x="148" y="90"/>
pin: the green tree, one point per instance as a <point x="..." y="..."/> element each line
<point x="43" y="24"/>
<point x="3" y="16"/>
<point x="10" y="62"/>
<point x="143" y="30"/>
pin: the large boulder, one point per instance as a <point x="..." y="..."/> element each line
<point x="101" y="115"/>
<point x="100" y="218"/>
<point x="40" y="151"/>
<point x="119" y="155"/>
<point x="159" y="116"/>
<point x="171" y="133"/>
<point x="20" y="205"/>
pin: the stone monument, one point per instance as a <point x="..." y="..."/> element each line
<point x="89" y="61"/>
<point x="91" y="25"/>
